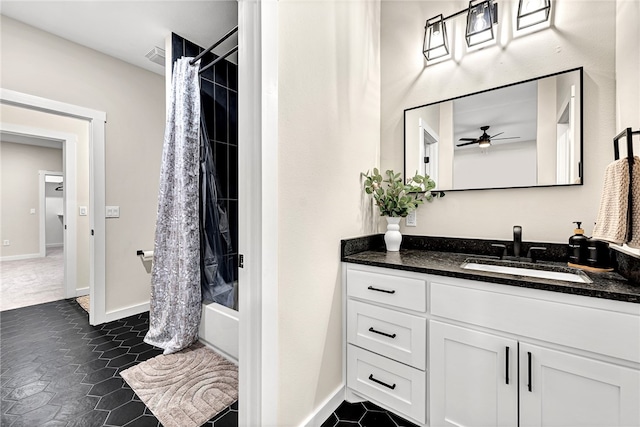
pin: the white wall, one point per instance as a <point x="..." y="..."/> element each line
<point x="627" y="64"/>
<point x="488" y="168"/>
<point x="628" y="72"/>
<point x="19" y="192"/>
<point x="41" y="64"/>
<point x="545" y="213"/>
<point x="329" y="107"/>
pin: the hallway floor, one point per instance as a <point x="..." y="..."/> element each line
<point x="56" y="370"/>
<point x="32" y="281"/>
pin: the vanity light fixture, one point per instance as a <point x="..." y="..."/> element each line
<point x="482" y="15"/>
<point x="532" y="12"/>
<point x="436" y="44"/>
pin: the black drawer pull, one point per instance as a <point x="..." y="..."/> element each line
<point x="506" y="373"/>
<point x="382" y="290"/>
<point x="529" y="369"/>
<point x="381" y="333"/>
<point x="381" y="383"/>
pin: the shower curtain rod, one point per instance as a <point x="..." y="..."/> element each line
<point x="218" y="59"/>
<point x="213" y="46"/>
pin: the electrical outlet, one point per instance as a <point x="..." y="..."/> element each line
<point x="5" y="243"/>
<point x="410" y="220"/>
<point x="32" y="211"/>
<point x="83" y="210"/>
<point x="113" y="212"/>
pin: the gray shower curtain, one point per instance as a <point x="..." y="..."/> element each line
<point x="176" y="296"/>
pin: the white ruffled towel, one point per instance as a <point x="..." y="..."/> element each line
<point x="613" y="216"/>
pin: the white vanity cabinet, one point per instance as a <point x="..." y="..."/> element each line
<point x="491" y="346"/>
<point x="565" y="389"/>
<point x="474" y="377"/>
<point x="387" y="339"/>
<point x="443" y="351"/>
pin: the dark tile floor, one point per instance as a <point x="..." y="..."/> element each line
<point x="364" y="414"/>
<point x="56" y="370"/>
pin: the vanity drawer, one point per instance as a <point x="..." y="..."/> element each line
<point x="390" y="383"/>
<point x="398" y="291"/>
<point x="390" y="333"/>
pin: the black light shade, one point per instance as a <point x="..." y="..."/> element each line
<point x="435" y="44"/>
<point x="481" y="16"/>
<point x="532" y="12"/>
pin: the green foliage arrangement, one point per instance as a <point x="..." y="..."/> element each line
<point x="395" y="198"/>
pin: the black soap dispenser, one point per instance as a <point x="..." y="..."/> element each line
<point x="578" y="246"/>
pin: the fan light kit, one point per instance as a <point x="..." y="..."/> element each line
<point x="482" y="15"/>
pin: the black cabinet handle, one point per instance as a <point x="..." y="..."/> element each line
<point x="371" y="288"/>
<point x="381" y="383"/>
<point x="507" y="365"/>
<point x="529" y="369"/>
<point x="381" y="333"/>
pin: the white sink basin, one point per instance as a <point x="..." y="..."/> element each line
<point x="567" y="276"/>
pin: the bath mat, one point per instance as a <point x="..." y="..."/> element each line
<point x="84" y="302"/>
<point x="187" y="388"/>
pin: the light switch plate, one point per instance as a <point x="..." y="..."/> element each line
<point x="410" y="220"/>
<point x="83" y="210"/>
<point x="113" y="212"/>
<point x="32" y="211"/>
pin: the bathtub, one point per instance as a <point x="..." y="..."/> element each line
<point x="219" y="329"/>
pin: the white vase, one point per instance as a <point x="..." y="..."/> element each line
<point x="393" y="237"/>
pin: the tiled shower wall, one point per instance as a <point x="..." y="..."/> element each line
<point x="219" y="97"/>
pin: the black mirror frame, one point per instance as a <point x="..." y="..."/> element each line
<point x="581" y="164"/>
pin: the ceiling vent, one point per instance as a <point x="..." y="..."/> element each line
<point x="156" y="55"/>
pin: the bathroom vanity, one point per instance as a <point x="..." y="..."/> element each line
<point x="444" y="346"/>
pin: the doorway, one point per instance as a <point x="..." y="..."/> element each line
<point x="91" y="242"/>
<point x="33" y="273"/>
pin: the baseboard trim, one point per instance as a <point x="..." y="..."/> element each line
<point x="54" y="245"/>
<point x="80" y="292"/>
<point x="19" y="257"/>
<point x="110" y="316"/>
<point x="326" y="408"/>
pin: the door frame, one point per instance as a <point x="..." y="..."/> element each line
<point x="258" y="211"/>
<point x="97" y="120"/>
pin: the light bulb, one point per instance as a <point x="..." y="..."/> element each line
<point x="532" y="5"/>
<point x="480" y="22"/>
<point x="436" y="29"/>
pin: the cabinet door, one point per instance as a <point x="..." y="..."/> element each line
<point x="562" y="389"/>
<point x="473" y="378"/>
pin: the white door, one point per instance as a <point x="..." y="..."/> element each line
<point x="473" y="378"/>
<point x="562" y="389"/>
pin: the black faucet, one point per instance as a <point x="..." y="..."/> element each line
<point x="532" y="254"/>
<point x="517" y="240"/>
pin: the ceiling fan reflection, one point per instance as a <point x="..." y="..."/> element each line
<point x="484" y="140"/>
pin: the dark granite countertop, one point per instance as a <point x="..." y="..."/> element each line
<point x="368" y="251"/>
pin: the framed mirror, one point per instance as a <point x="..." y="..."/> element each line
<point x="525" y="134"/>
